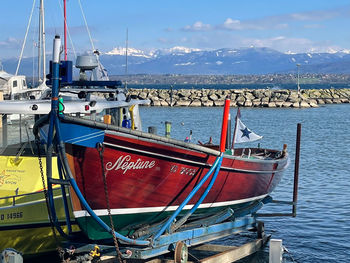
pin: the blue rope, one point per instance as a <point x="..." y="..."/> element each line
<point x="194" y="208"/>
<point x="217" y="163"/>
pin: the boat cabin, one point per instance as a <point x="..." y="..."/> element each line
<point x="12" y="85"/>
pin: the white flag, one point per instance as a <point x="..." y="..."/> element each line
<point x="243" y="134"/>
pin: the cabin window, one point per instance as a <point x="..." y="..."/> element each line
<point x="24" y="82"/>
<point x="14" y="83"/>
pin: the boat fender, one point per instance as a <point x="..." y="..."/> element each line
<point x="131" y="110"/>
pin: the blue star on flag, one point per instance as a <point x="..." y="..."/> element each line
<point x="245" y="133"/>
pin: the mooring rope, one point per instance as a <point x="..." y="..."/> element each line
<point x="100" y="150"/>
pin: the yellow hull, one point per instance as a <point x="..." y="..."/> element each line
<point x="30" y="241"/>
<point x="24" y="221"/>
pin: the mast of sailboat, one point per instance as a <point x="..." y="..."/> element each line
<point x="40" y="41"/>
<point x="41" y="45"/>
<point x="25" y="40"/>
<point x="65" y="29"/>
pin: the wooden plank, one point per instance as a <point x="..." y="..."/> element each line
<point x="113" y="259"/>
<point x="237" y="253"/>
<point x="213" y="248"/>
<point x="227" y="253"/>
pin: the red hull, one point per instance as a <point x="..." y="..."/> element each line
<point x="146" y="173"/>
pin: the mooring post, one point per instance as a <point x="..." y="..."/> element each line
<point x="167" y="129"/>
<point x="296" y="171"/>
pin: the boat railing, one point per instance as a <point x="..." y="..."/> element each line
<point x="13" y="199"/>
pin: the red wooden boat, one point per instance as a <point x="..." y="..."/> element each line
<point x="148" y="176"/>
<point x="138" y="186"/>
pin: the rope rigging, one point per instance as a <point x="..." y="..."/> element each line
<point x="25" y="38"/>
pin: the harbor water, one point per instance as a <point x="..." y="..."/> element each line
<point x="321" y="230"/>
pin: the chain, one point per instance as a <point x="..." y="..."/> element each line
<point x="45" y="191"/>
<point x="100" y="150"/>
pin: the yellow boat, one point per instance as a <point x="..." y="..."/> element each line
<point x="24" y="220"/>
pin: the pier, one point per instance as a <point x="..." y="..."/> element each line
<point x="270" y="98"/>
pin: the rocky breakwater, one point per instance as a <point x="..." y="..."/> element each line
<point x="242" y="97"/>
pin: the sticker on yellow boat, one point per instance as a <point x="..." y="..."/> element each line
<point x="21" y="175"/>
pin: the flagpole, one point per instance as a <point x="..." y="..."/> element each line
<point x="234" y="131"/>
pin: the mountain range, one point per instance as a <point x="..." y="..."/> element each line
<point x="226" y="61"/>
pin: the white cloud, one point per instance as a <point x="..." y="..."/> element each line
<point x="197" y="26"/>
<point x="10" y="43"/>
<point x="278" y="22"/>
<point x="234" y="24"/>
<point x="282" y="43"/>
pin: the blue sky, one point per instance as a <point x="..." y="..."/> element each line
<point x="295" y="26"/>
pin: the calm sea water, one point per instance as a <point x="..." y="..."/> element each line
<point x="321" y="230"/>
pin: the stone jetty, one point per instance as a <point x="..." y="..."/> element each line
<point x="242" y="97"/>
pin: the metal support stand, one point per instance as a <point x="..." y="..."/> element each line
<point x="295" y="185"/>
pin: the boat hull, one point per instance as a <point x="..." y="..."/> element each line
<point x="25" y="225"/>
<point x="147" y="179"/>
<point x="24" y="221"/>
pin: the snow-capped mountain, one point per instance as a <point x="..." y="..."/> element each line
<point x="121" y="51"/>
<point x="252" y="60"/>
<point x="182" y="60"/>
